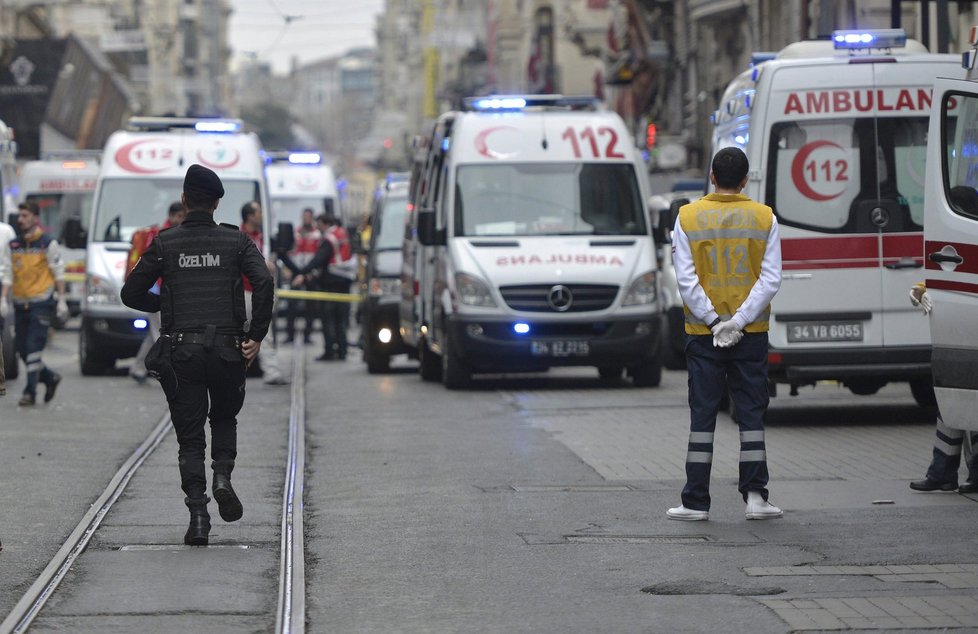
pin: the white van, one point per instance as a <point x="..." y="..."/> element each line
<point x="951" y="242"/>
<point x="299" y="180"/>
<point x="62" y="185"/>
<point x="836" y="134"/>
<point x="142" y="173"/>
<point x="530" y="245"/>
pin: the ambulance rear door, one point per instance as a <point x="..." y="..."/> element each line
<point x="951" y="248"/>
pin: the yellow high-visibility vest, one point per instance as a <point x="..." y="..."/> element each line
<point x="727" y="238"/>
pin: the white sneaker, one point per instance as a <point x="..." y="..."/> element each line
<point x="689" y="515"/>
<point x="759" y="509"/>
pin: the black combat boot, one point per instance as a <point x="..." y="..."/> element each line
<point x="227" y="500"/>
<point x="200" y="521"/>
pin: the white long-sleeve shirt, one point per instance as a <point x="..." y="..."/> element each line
<point x="695" y="298"/>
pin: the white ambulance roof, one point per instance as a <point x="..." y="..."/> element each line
<point x="825" y="48"/>
<point x="540" y="136"/>
<point x="57" y="176"/>
<point x="287" y="180"/>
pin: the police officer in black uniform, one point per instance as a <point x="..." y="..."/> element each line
<point x="203" y="347"/>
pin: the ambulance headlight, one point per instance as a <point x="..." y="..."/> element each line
<point x="641" y="291"/>
<point x="472" y="291"/>
<point x="100" y="291"/>
<point x="385" y="287"/>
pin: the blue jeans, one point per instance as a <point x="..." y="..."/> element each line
<point x="742" y="369"/>
<point x="31" y="324"/>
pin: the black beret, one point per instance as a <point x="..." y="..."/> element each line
<point x="200" y="180"/>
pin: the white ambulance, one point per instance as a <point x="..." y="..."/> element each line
<point x="530" y="244"/>
<point x="62" y="185"/>
<point x="951" y="242"/>
<point x="297" y="181"/>
<point x="142" y="173"/>
<point x="836" y="134"/>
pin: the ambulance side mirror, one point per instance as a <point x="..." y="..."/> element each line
<point x="428" y="234"/>
<point x="674" y="210"/>
<point x="284" y="238"/>
<point x="74" y="234"/>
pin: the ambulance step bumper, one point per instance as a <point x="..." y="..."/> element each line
<point x="891" y="364"/>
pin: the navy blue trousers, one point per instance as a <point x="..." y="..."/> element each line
<point x="31" y="324"/>
<point x="743" y="370"/>
<point x="947" y="454"/>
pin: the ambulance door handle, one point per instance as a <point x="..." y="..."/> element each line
<point x="946" y="255"/>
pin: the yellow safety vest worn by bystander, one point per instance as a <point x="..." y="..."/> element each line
<point x="728" y="236"/>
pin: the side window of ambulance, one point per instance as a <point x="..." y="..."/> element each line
<point x="959" y="128"/>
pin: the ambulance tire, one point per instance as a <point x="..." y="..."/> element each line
<point x="923" y="392"/>
<point x="455" y="375"/>
<point x="377" y="361"/>
<point x="10" y="367"/>
<point x="90" y="363"/>
<point x="429" y="364"/>
<point x="649" y="374"/>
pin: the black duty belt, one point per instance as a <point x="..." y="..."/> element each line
<point x="220" y="341"/>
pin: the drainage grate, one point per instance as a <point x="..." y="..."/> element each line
<point x="571" y="488"/>
<point x="637" y="539"/>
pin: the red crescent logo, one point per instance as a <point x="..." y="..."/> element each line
<point x="798" y="170"/>
<point x="123" y="157"/>
<point x="231" y="158"/>
<point x="481" y="141"/>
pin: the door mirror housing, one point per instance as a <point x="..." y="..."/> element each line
<point x="74" y="234"/>
<point x="674" y="210"/>
<point x="428" y="234"/>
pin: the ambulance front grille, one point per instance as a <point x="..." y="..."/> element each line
<point x="536" y="298"/>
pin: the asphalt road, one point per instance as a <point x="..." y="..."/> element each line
<point x="529" y="503"/>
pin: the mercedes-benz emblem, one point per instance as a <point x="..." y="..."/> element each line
<point x="560" y="298"/>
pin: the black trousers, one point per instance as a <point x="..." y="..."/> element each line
<point x="211" y="384"/>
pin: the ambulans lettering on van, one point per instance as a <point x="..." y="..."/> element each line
<point x="951" y="242"/>
<point x="298" y="181"/>
<point x="836" y="134"/>
<point x="142" y="174"/>
<point x="62" y="185"/>
<point x="529" y="244"/>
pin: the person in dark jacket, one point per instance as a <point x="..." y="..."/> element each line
<point x="335" y="314"/>
<point x="205" y="340"/>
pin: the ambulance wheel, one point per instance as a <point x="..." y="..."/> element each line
<point x="649" y="374"/>
<point x="430" y="364"/>
<point x="454" y="373"/>
<point x="610" y="373"/>
<point x="90" y="363"/>
<point x="377" y="361"/>
<point x="9" y="351"/>
<point x="923" y="392"/>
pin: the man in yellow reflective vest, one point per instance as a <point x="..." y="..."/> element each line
<point x="727" y="256"/>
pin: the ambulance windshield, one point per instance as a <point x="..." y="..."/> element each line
<point x="829" y="175"/>
<point x="126" y="205"/>
<point x="538" y="199"/>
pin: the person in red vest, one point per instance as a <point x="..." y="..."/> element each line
<point x="141" y="240"/>
<point x="307" y="239"/>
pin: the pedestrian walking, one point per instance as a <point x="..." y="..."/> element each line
<point x="251" y="225"/>
<point x="942" y="473"/>
<point x="206" y="338"/>
<point x="727" y="256"/>
<point x="141" y="241"/>
<point x="33" y="274"/>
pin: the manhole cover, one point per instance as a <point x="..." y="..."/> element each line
<point x="636" y="539"/>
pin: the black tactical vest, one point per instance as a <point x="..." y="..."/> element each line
<point x="202" y="279"/>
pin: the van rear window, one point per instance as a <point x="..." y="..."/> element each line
<point x="830" y="175"/>
<point x="535" y="199"/>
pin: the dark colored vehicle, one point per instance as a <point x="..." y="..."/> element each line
<point x="381" y="290"/>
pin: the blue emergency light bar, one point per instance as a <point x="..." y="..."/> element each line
<point x="516" y="103"/>
<point x="305" y="158"/>
<point x="876" y="38"/>
<point x="217" y="126"/>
